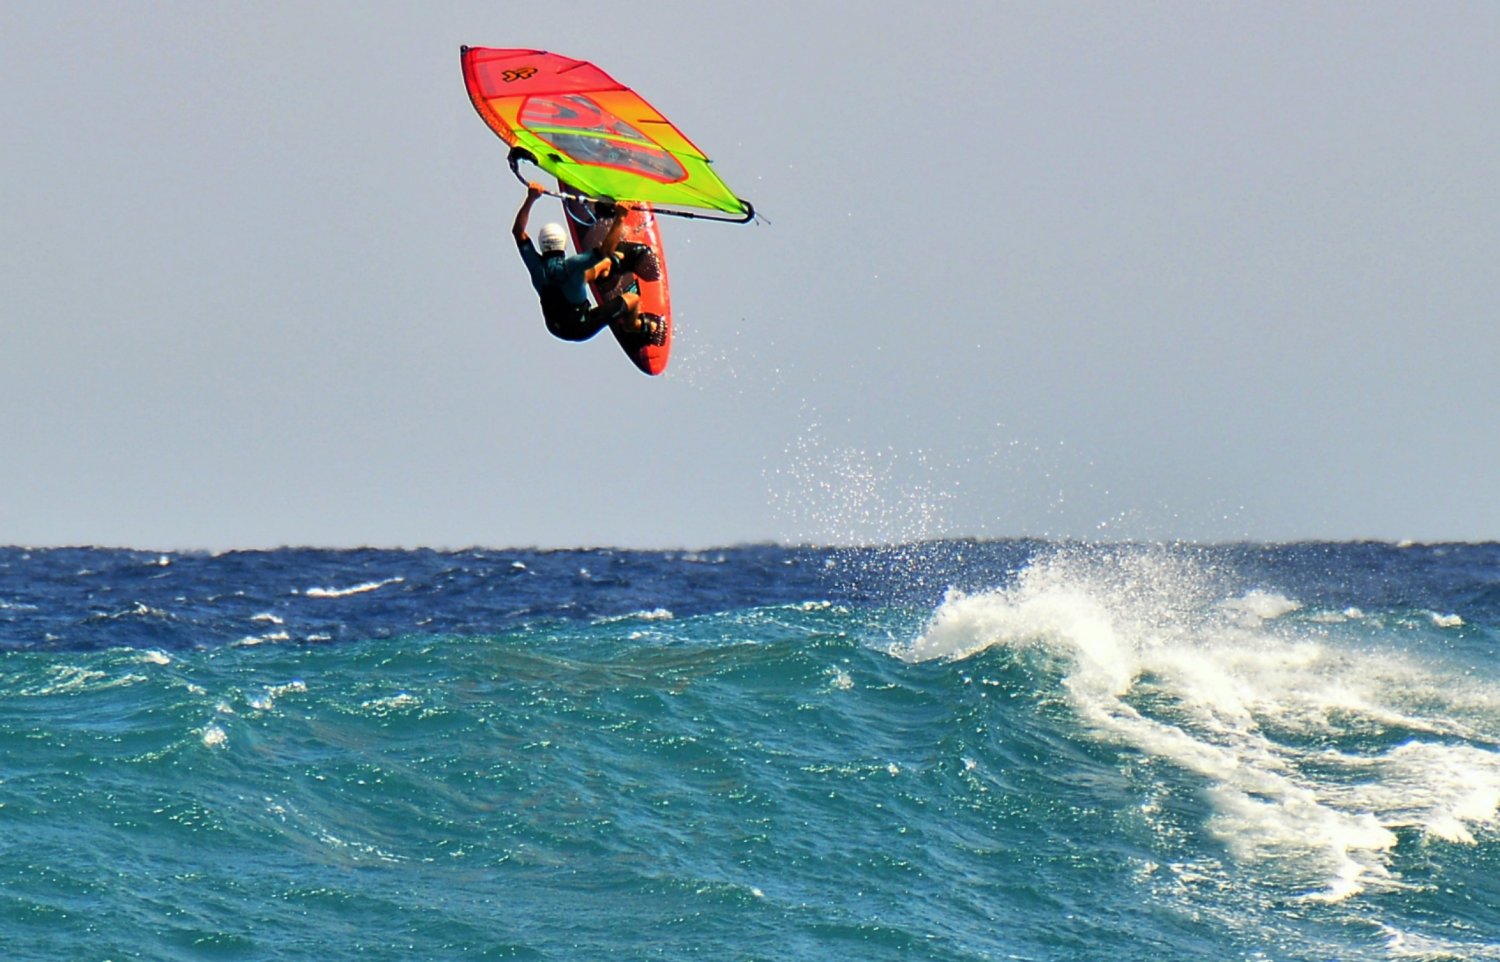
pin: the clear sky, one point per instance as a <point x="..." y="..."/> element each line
<point x="1197" y="270"/>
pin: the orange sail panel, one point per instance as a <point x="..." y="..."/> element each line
<point x="590" y="131"/>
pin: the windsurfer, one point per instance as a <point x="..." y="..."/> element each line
<point x="561" y="281"/>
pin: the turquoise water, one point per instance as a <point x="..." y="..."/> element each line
<point x="957" y="751"/>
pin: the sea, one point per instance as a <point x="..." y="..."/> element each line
<point x="950" y="750"/>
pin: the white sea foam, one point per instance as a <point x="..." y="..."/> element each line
<point x="1257" y="606"/>
<point x="1152" y="654"/>
<point x="267" y="699"/>
<point x="270" y="636"/>
<point x="405" y="701"/>
<point x="655" y="614"/>
<point x="1336" y="617"/>
<point x="355" y="590"/>
<point x="1429" y="948"/>
<point x="72" y="679"/>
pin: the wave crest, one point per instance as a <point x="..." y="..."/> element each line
<point x="1312" y="746"/>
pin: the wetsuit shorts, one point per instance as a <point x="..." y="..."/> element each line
<point x="579" y="322"/>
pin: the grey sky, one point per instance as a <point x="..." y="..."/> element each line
<point x="1148" y="270"/>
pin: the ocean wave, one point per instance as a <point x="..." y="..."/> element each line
<point x="1289" y="728"/>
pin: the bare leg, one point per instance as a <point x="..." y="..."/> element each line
<point x="632" y="310"/>
<point x="616" y="228"/>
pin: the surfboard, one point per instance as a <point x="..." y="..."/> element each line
<point x="640" y="228"/>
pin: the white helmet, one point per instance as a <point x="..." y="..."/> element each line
<point x="553" y="238"/>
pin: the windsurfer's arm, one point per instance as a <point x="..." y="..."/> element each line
<point x="518" y="229"/>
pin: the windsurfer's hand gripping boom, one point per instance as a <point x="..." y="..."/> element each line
<point x="518" y="229"/>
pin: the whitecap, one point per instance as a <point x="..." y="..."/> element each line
<point x="1336" y="617"/>
<point x="67" y="679"/>
<point x="358" y="589"/>
<point x="391" y="703"/>
<point x="1424" y="948"/>
<point x="270" y="636"/>
<point x="267" y="700"/>
<point x="1257" y="606"/>
<point x="655" y="614"/>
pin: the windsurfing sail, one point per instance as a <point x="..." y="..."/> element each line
<point x="594" y="134"/>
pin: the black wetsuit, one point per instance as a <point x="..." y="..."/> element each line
<point x="559" y="283"/>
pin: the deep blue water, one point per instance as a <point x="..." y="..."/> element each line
<point x="948" y="751"/>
